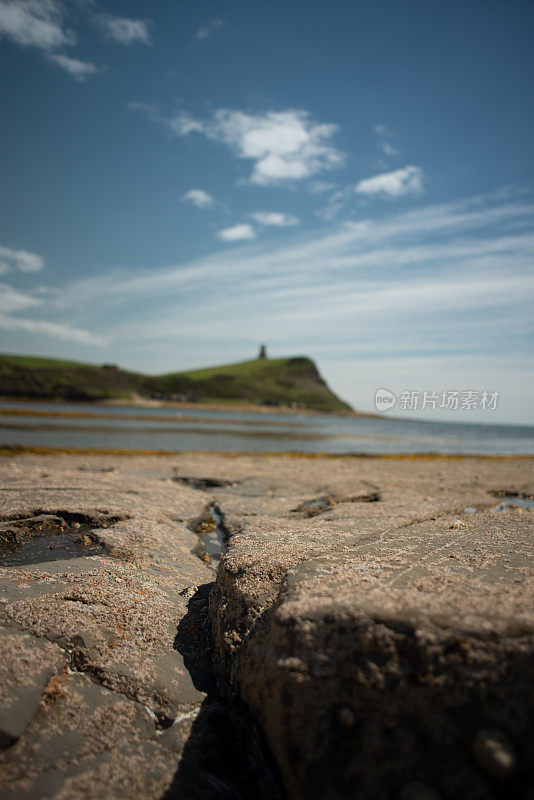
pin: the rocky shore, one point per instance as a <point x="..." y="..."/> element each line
<point x="368" y="633"/>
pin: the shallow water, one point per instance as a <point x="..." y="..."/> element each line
<point x="211" y="532"/>
<point x="50" y="544"/>
<point x="174" y="430"/>
<point x="508" y="503"/>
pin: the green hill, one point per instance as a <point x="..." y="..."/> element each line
<point x="51" y="379"/>
<point x="277" y="382"/>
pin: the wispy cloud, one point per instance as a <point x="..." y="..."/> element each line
<point x="41" y="24"/>
<point x="199" y="198"/>
<point x="80" y="70"/>
<point x="335" y="203"/>
<point x="124" y="30"/>
<point x="478" y="232"/>
<point x="400" y="182"/>
<point x="284" y="146"/>
<point x="276" y="218"/>
<point x="21" y="260"/>
<point x="34" y="23"/>
<point x="56" y="330"/>
<point x="441" y="280"/>
<point x="384" y="138"/>
<point x="237" y="233"/>
<point x="13" y="301"/>
<point x="182" y="124"/>
<point x="207" y="30"/>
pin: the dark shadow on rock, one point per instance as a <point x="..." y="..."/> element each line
<point x="192" y="640"/>
<point x="203" y="484"/>
<point x="221" y="760"/>
<point x="220" y="757"/>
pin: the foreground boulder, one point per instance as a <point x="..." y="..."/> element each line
<point x="386" y="660"/>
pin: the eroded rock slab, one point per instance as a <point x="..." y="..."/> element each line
<point x="378" y="635"/>
<point x="27" y="666"/>
<point x="90" y="675"/>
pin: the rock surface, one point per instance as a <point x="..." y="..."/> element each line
<point x="384" y="651"/>
<point x="97" y="701"/>
<point x="378" y="649"/>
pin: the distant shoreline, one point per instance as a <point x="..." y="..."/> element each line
<point x="10" y="451"/>
<point x="139" y="402"/>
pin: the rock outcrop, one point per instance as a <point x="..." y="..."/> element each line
<point x="384" y="651"/>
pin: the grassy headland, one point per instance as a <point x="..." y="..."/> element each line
<point x="293" y="382"/>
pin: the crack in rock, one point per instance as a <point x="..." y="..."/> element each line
<point x="318" y="505"/>
<point x="213" y="534"/>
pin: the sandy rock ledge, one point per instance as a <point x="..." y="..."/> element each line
<point x="372" y="621"/>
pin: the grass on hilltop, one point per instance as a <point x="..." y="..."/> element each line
<point x="281" y="381"/>
<point x="36" y="362"/>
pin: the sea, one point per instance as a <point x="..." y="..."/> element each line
<point x="174" y="430"/>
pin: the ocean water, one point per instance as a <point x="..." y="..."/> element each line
<point x="174" y="430"/>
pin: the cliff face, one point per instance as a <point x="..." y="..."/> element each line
<point x="279" y="382"/>
<point x="284" y="381"/>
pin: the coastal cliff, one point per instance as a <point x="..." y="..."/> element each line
<point x="293" y="382"/>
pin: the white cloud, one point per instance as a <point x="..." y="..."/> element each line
<point x="369" y="248"/>
<point x="428" y="281"/>
<point x="400" y="182"/>
<point x="183" y="124"/>
<point x="237" y="233"/>
<point x="39" y="23"/>
<point x="80" y="70"/>
<point x="34" y="23"/>
<point x="389" y="150"/>
<point x="211" y="27"/>
<point x="199" y="198"/>
<point x="124" y="30"/>
<point x="284" y="145"/>
<point x="12" y="299"/>
<point x="335" y="203"/>
<point x="54" y="329"/>
<point x="21" y="260"/>
<point x="275" y="218"/>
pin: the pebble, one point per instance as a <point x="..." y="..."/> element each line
<point x="188" y="592"/>
<point x="494" y="753"/>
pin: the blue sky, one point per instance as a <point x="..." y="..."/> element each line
<point x="351" y="180"/>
